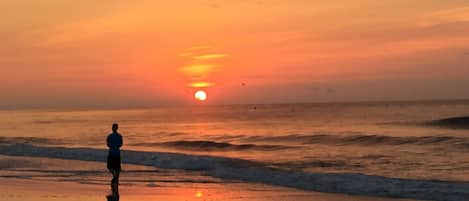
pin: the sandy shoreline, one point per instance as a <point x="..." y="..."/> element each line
<point x="35" y="190"/>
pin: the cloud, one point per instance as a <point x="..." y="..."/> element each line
<point x="209" y="56"/>
<point x="198" y="69"/>
<point x="201" y="52"/>
<point x="460" y="14"/>
<point x="202" y="62"/>
<point x="201" y="84"/>
<point x="446" y="16"/>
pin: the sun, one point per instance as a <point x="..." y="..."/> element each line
<point x="200" y="95"/>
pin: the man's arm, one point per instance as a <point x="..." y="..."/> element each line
<point x="120" y="141"/>
<point x="107" y="142"/>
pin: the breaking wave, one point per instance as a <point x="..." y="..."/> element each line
<point x="368" y="140"/>
<point x="454" y="122"/>
<point x="203" y="145"/>
<point x="249" y="171"/>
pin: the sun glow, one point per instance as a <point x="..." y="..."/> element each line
<point x="201" y="84"/>
<point x="198" y="194"/>
<point x="200" y="95"/>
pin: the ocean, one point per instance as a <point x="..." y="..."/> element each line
<point x="387" y="149"/>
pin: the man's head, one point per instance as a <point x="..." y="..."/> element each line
<point x="115" y="127"/>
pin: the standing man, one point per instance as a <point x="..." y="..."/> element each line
<point x="114" y="142"/>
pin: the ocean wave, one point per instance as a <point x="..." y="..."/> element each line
<point x="31" y="140"/>
<point x="392" y="140"/>
<point x="315" y="163"/>
<point x="368" y="140"/>
<point x="203" y="145"/>
<point x="58" y="121"/>
<point x="249" y="171"/>
<point x="454" y="122"/>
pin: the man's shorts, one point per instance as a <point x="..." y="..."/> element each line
<point x="114" y="163"/>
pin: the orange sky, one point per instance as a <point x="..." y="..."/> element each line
<point x="64" y="53"/>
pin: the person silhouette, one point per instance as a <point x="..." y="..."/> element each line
<point x="114" y="142"/>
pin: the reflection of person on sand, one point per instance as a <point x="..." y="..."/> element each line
<point x="113" y="197"/>
<point x="114" y="142"/>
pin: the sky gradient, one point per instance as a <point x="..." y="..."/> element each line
<point x="141" y="53"/>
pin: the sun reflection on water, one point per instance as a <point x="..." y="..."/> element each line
<point x="198" y="194"/>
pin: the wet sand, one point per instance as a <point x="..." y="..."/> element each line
<point x="34" y="190"/>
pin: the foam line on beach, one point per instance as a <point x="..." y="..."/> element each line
<point x="33" y="140"/>
<point x="248" y="171"/>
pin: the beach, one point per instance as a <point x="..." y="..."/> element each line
<point x="209" y="100"/>
<point x="373" y="151"/>
<point x="87" y="181"/>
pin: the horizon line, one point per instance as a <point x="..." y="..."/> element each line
<point x="230" y="104"/>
